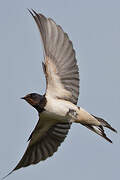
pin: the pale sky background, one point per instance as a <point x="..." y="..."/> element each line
<point x="94" y="28"/>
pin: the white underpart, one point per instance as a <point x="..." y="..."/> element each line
<point x="56" y="111"/>
<point x="58" y="106"/>
<point x="86" y="118"/>
<point x="61" y="107"/>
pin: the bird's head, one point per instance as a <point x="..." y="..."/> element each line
<point x="36" y="100"/>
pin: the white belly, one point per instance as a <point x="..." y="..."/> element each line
<point x="59" y="107"/>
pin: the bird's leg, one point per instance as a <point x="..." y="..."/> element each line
<point x="72" y="114"/>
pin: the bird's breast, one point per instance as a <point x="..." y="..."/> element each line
<point x="58" y="108"/>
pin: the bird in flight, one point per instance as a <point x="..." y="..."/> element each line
<point x="57" y="108"/>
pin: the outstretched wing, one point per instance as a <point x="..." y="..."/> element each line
<point x="60" y="65"/>
<point x="43" y="143"/>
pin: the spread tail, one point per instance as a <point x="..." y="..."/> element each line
<point x="100" y="129"/>
<point x="95" y="124"/>
<point x="105" y="124"/>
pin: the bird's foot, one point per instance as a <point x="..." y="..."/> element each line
<point x="72" y="114"/>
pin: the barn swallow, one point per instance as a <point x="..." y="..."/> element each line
<point x="57" y="108"/>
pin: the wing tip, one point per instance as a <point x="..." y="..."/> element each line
<point x="7" y="175"/>
<point x="33" y="12"/>
<point x="30" y="11"/>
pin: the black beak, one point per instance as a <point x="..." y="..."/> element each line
<point x="22" y="98"/>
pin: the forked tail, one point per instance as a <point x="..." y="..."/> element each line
<point x="100" y="129"/>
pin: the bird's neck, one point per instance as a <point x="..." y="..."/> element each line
<point x="40" y="107"/>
